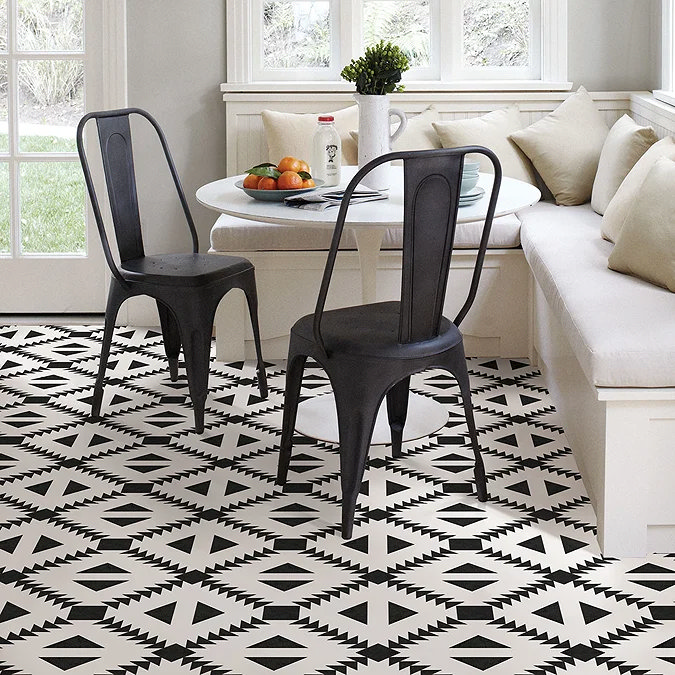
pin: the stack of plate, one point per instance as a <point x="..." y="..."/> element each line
<point x="469" y="193"/>
<point x="471" y="196"/>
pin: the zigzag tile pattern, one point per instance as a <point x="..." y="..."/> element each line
<point x="133" y="545"/>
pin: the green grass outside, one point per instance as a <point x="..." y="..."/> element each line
<point x="51" y="200"/>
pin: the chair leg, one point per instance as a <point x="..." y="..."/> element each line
<point x="357" y="400"/>
<point x="116" y="296"/>
<point x="356" y="430"/>
<point x="252" y="300"/>
<point x="397" y="411"/>
<point x="294" y="370"/>
<point x="479" y="467"/>
<point x="171" y="338"/>
<point x="196" y="334"/>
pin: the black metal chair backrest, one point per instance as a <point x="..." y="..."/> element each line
<point x="114" y="134"/>
<point x="432" y="182"/>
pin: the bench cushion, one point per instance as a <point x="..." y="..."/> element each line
<point x="230" y="234"/>
<point x="621" y="329"/>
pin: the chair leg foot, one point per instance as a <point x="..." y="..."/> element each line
<point x="198" y="407"/>
<point x="481" y="482"/>
<point x="173" y="369"/>
<point x="96" y="401"/>
<point x="262" y="382"/>
<point x="347" y="522"/>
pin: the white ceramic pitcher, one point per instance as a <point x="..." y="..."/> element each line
<point x="375" y="137"/>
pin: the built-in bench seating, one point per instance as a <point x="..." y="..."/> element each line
<point x="606" y="344"/>
<point x="604" y="340"/>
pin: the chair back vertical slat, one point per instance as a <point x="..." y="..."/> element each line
<point x="432" y="186"/>
<point x="118" y="164"/>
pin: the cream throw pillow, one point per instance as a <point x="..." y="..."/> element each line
<point x="646" y="245"/>
<point x="419" y="133"/>
<point x="626" y="142"/>
<point x="565" y="147"/>
<point x="492" y="131"/>
<point x="292" y="133"/>
<point x="615" y="213"/>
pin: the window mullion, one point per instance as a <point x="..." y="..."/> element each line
<point x="448" y="33"/>
<point x="349" y="24"/>
<point x="12" y="130"/>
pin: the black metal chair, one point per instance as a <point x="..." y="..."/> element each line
<point x="370" y="351"/>
<point x="187" y="286"/>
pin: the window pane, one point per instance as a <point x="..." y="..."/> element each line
<point x="49" y="25"/>
<point x="51" y="102"/>
<point x="296" y="34"/>
<point x="406" y="24"/>
<point x="52" y="207"/>
<point x="4" y="93"/>
<point x="3" y="25"/>
<point x="5" y="245"/>
<point x="496" y="33"/>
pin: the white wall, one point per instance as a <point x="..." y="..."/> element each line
<point x="614" y="45"/>
<point x="176" y="60"/>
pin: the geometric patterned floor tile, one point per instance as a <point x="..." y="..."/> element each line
<point x="132" y="545"/>
<point x="74" y="647"/>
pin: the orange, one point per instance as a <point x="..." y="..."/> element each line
<point x="267" y="183"/>
<point x="303" y="166"/>
<point x="251" y="181"/>
<point x="289" y="180"/>
<point x="308" y="182"/>
<point x="290" y="164"/>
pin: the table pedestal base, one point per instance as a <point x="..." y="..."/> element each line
<point x="317" y="419"/>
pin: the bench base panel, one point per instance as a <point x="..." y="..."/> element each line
<point x="288" y="282"/>
<point x="622" y="440"/>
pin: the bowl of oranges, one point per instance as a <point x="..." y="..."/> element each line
<point x="274" y="182"/>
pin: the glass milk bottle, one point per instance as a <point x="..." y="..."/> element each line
<point x="326" y="152"/>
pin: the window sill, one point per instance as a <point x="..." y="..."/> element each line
<point x="665" y="96"/>
<point x="410" y="87"/>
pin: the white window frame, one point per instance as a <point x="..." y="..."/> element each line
<point x="243" y="37"/>
<point x="667" y="91"/>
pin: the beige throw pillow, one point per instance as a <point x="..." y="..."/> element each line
<point x="419" y="133"/>
<point x="626" y="142"/>
<point x="617" y="209"/>
<point x="491" y="131"/>
<point x="565" y="147"/>
<point x="646" y="245"/>
<point x="292" y="133"/>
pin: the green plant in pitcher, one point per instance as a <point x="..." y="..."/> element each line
<point x="379" y="70"/>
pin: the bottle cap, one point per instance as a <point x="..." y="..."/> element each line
<point x="326" y="118"/>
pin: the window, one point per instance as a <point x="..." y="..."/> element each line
<point x="42" y="83"/>
<point x="57" y="57"/>
<point x="448" y="41"/>
<point x="667" y="91"/>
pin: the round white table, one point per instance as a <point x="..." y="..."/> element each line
<point x="369" y="221"/>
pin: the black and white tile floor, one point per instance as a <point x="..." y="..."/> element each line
<point x="133" y="545"/>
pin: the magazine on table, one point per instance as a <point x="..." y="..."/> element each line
<point x="319" y="201"/>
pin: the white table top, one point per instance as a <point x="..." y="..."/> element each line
<point x="223" y="196"/>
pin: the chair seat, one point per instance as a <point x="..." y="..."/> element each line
<point x="373" y="330"/>
<point x="184" y="269"/>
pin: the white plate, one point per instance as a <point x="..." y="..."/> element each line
<point x="472" y="196"/>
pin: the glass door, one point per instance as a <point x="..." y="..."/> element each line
<point x="50" y="260"/>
